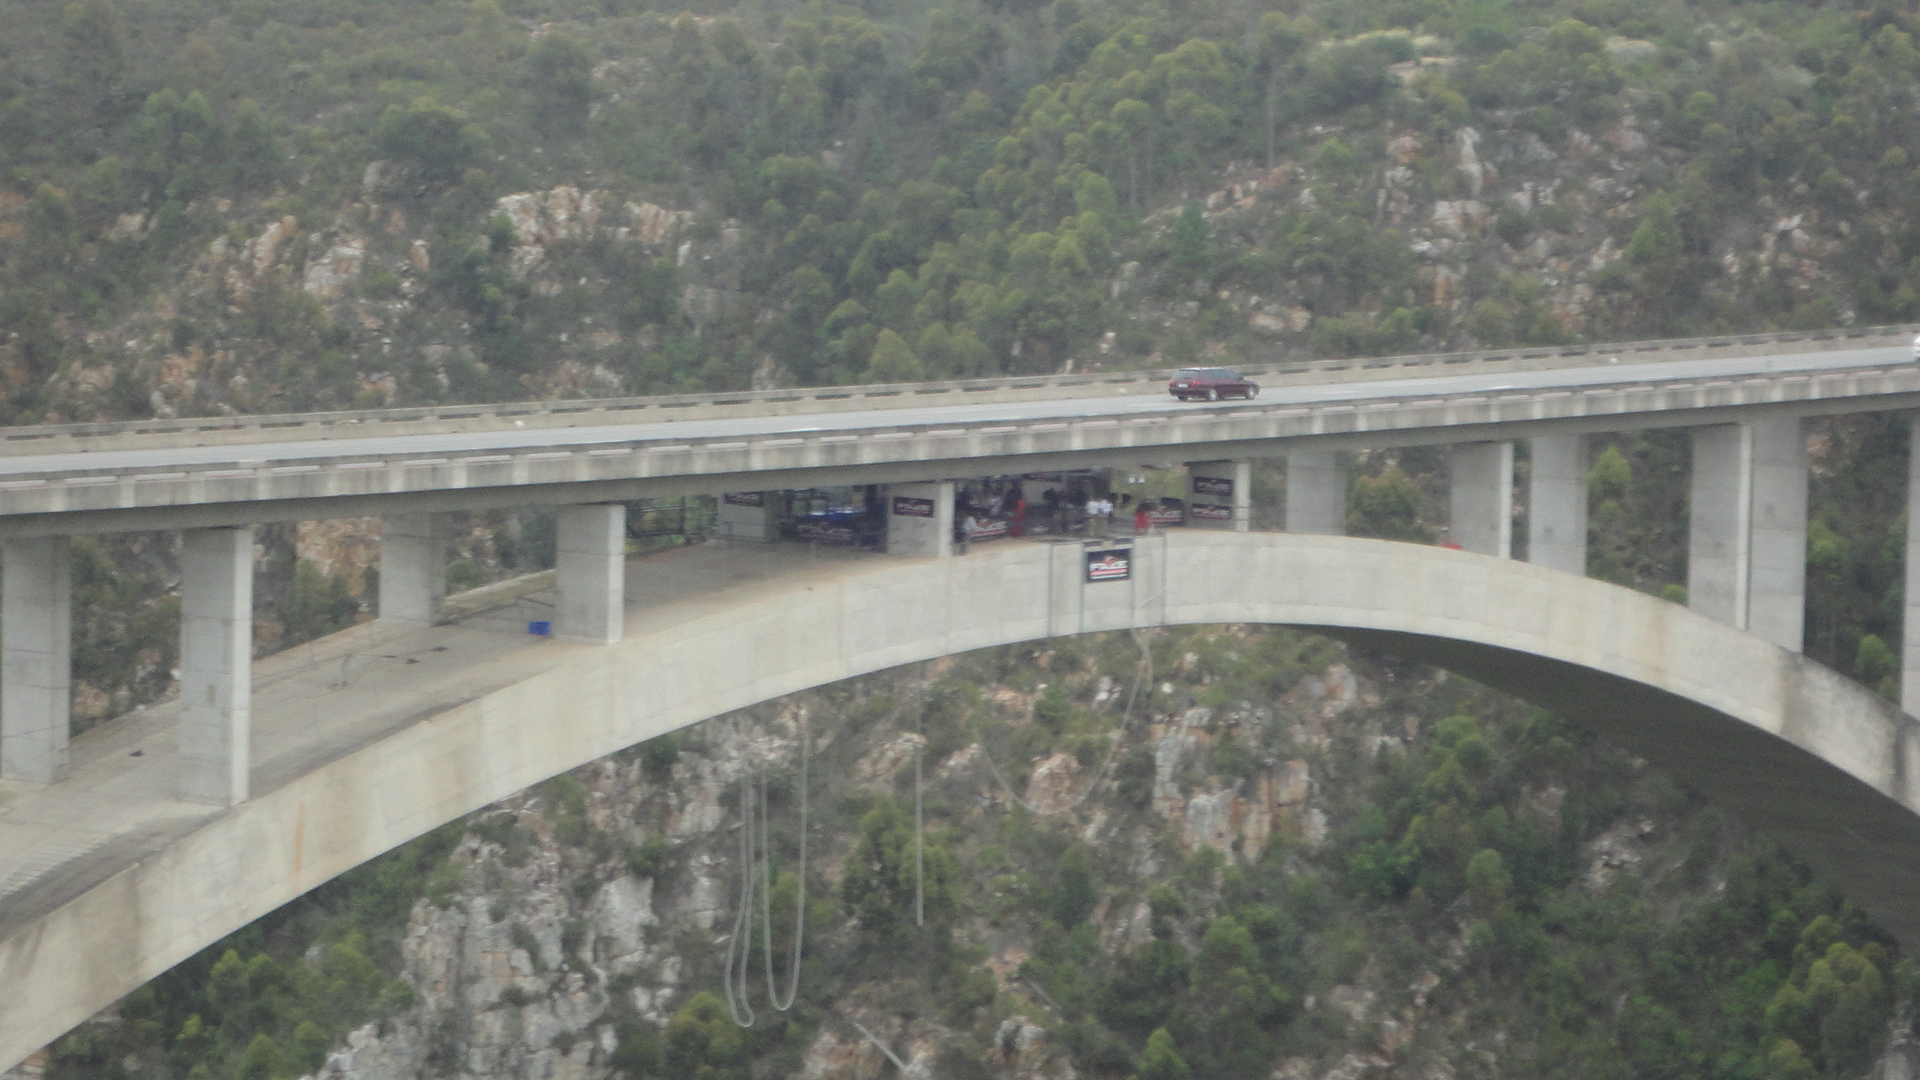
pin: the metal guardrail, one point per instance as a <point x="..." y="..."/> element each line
<point x="598" y="411"/>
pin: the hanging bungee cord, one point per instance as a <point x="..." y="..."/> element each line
<point x="757" y="877"/>
<point x="1143" y="675"/>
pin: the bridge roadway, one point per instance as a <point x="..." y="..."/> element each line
<point x="377" y="734"/>
<point x="219" y="480"/>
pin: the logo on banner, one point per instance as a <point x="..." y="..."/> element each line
<point x="1213" y="485"/>
<point x="745" y="498"/>
<point x="912" y="506"/>
<point x="1110" y="564"/>
<point x="1210" y="512"/>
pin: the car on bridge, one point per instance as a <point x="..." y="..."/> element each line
<point x="1211" y="384"/>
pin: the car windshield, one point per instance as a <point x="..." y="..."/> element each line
<point x="1187" y="373"/>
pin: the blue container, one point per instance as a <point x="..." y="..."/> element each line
<point x="540" y="629"/>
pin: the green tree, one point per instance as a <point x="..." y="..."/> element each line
<point x="892" y="361"/>
<point x="438" y="140"/>
<point x="1161" y="1061"/>
<point x="562" y="72"/>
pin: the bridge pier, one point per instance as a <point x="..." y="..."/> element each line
<point x="1777" y="581"/>
<point x="1747" y="532"/>
<point x="1718" y="532"/>
<point x="1557" y="503"/>
<point x="1222" y="485"/>
<point x="1480" y="498"/>
<point x="590" y="571"/>
<point x="920" y="519"/>
<point x="1316" y="493"/>
<point x="216" y="664"/>
<point x="1910" y="620"/>
<point x="36" y="658"/>
<point x="413" y="567"/>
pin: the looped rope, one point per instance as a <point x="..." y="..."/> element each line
<point x="756" y="876"/>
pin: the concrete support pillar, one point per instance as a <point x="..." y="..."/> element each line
<point x="1481" y="498"/>
<point x="1777" y="581"/>
<point x="590" y="571"/>
<point x="1316" y="493"/>
<point x="1557" y="503"/>
<point x="413" y="567"/>
<point x="36" y="658"/>
<point x="1222" y="494"/>
<point x="1910" y="619"/>
<point x="745" y="515"/>
<point x="920" y="519"/>
<point x="1720" y="517"/>
<point x="216" y="664"/>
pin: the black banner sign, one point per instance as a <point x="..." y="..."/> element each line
<point x="1213" y="485"/>
<point x="1110" y="564"/>
<point x="1210" y="512"/>
<point x="745" y="498"/>
<point x="1044" y="477"/>
<point x="909" y="506"/>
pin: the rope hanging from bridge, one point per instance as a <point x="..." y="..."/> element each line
<point x="1143" y="675"/>
<point x="919" y="825"/>
<point x="756" y="877"/>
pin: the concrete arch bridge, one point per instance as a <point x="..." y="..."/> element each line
<point x="345" y="769"/>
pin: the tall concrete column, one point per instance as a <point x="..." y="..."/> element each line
<point x="36" y="658"/>
<point x="216" y="664"/>
<point x="1222" y="494"/>
<point x="590" y="570"/>
<point x="1720" y="523"/>
<point x="1481" y="498"/>
<point x="413" y="567"/>
<point x="1910" y="618"/>
<point x="745" y="515"/>
<point x="1316" y="493"/>
<point x="920" y="519"/>
<point x="1777" y="581"/>
<point x="1557" y="503"/>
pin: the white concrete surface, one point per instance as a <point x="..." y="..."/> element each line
<point x="1777" y="572"/>
<point x="746" y="516"/>
<point x="1221" y="483"/>
<point x="413" y="567"/>
<point x="1719" y="523"/>
<point x="919" y="519"/>
<point x="1316" y="493"/>
<point x="36" y="658"/>
<point x="363" y="750"/>
<point x="590" y="567"/>
<point x="1480" y="498"/>
<point x="1557" y="503"/>
<point x="216" y="665"/>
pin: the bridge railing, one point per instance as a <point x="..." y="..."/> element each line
<point x="592" y="412"/>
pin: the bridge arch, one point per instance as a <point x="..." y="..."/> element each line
<point x="1830" y="770"/>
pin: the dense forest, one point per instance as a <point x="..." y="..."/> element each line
<point x="260" y="206"/>
<point x="214" y="206"/>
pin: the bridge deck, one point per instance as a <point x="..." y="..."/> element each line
<point x="321" y="701"/>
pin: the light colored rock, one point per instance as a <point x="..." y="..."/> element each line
<point x="330" y="274"/>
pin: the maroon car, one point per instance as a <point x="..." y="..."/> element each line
<point x="1211" y="384"/>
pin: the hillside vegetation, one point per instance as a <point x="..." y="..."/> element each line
<point x="265" y="205"/>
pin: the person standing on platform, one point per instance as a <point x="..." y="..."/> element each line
<point x="1142" y="521"/>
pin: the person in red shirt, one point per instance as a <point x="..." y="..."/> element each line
<point x="1142" y="521"/>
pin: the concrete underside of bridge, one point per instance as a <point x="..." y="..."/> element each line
<point x="1827" y="768"/>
